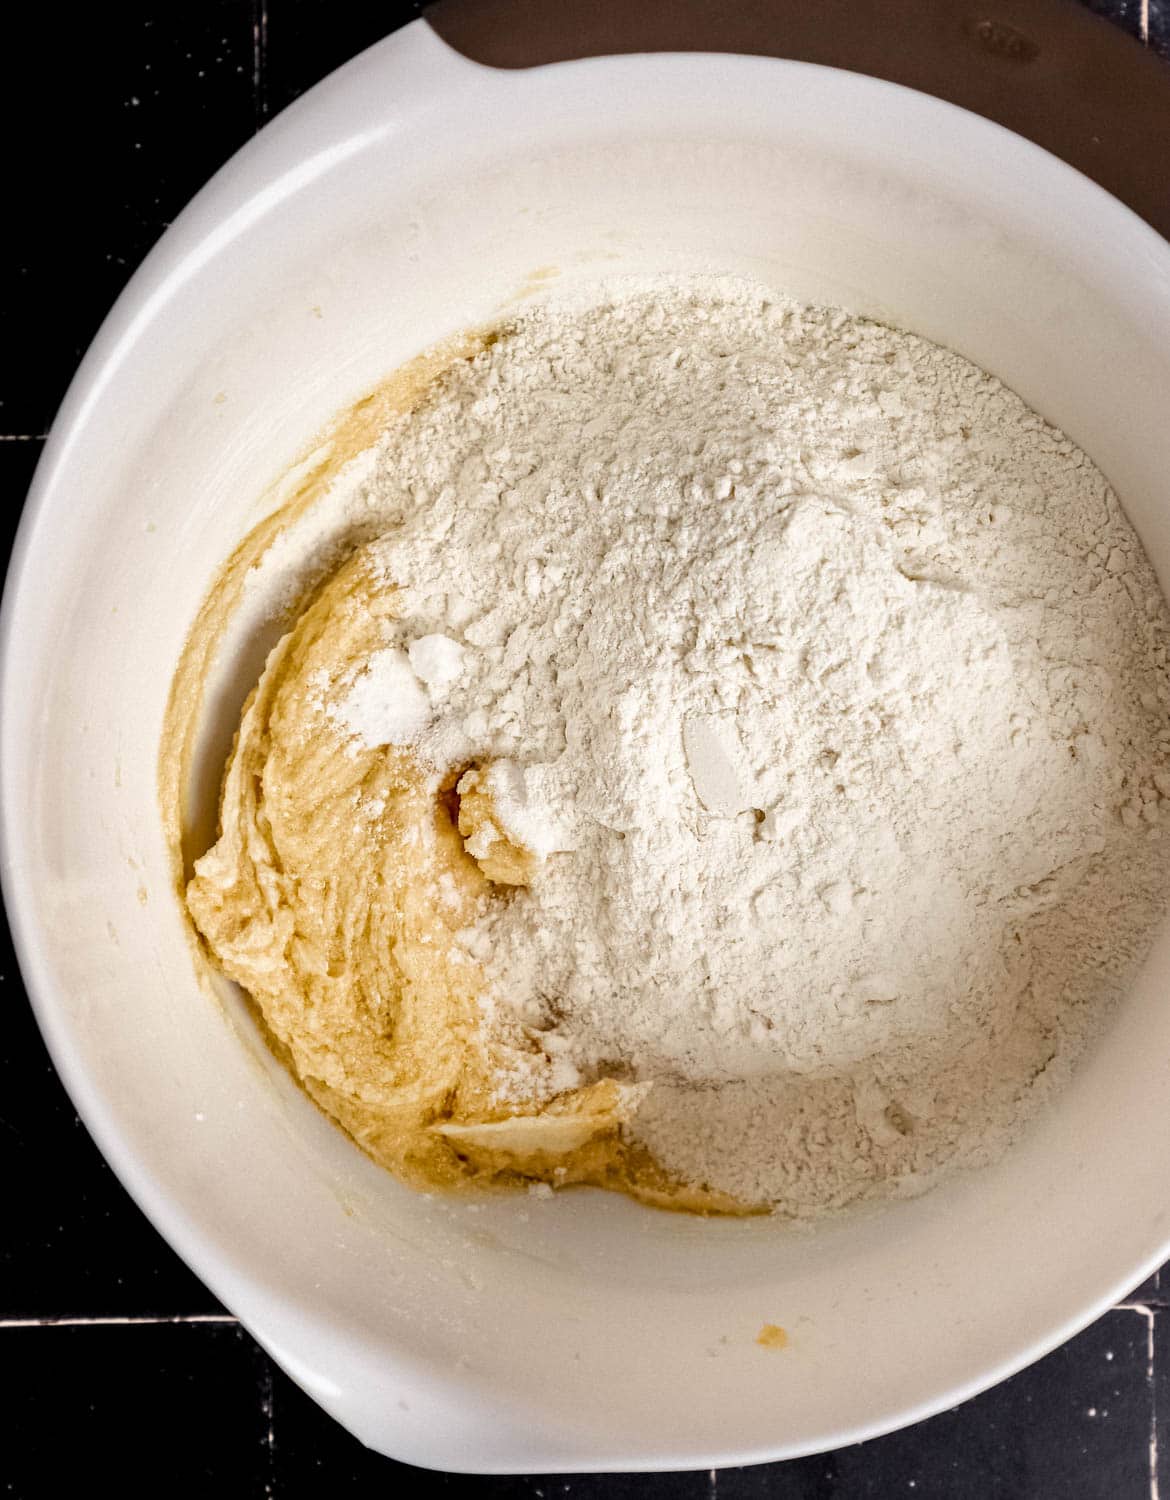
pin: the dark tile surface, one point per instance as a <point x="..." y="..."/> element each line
<point x="1157" y="26"/>
<point x="1147" y="20"/>
<point x="147" y="1385"/>
<point x="303" y="40"/>
<point x="150" y="100"/>
<point x="133" y="1411"/>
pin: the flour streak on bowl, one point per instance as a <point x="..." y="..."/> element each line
<point x="366" y="223"/>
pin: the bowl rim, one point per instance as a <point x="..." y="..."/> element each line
<point x="144" y="299"/>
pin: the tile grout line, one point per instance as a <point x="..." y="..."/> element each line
<point x="267" y="1410"/>
<point x="260" y="60"/>
<point x="1148" y="1312"/>
<point x="223" y="1319"/>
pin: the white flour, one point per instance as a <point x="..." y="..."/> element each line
<point x="830" y="684"/>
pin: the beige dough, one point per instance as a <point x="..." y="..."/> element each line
<point x="319" y="898"/>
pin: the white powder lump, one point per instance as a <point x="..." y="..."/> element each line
<point x="523" y="809"/>
<point x="829" y="684"/>
<point x="436" y="660"/>
<point x="385" y="701"/>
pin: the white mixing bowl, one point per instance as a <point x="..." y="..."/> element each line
<point x="412" y="194"/>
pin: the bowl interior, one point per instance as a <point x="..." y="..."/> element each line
<point x="410" y="196"/>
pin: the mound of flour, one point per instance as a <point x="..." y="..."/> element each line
<point x="830" y="684"/>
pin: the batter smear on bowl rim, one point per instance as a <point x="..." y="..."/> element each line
<point x="726" y="763"/>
